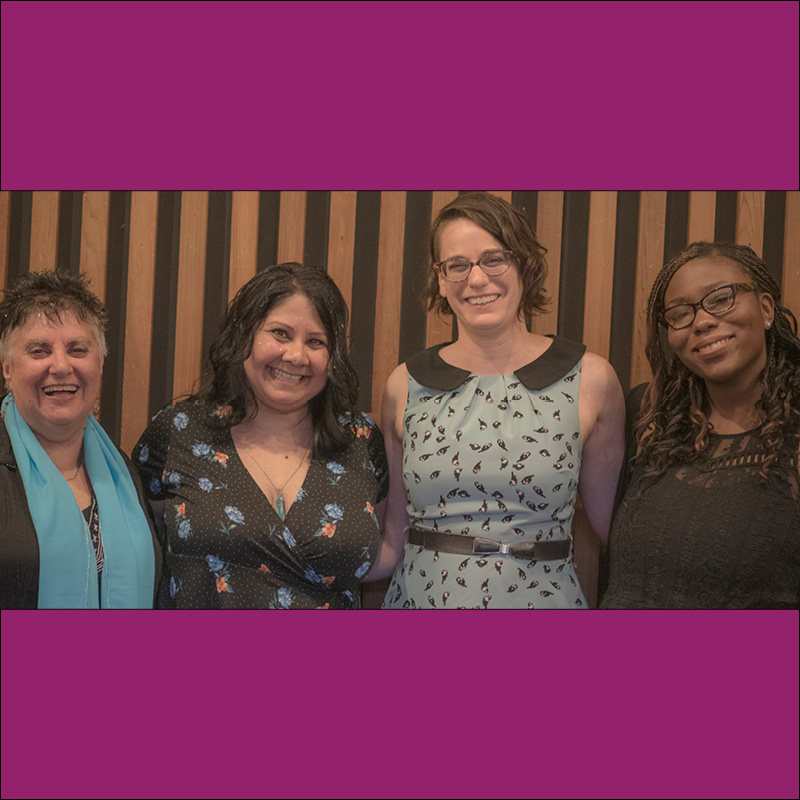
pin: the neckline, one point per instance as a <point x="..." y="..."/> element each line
<point x="430" y="369"/>
<point x="288" y="510"/>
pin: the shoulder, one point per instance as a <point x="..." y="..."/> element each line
<point x="599" y="377"/>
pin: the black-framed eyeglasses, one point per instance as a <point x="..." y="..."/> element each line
<point x="492" y="262"/>
<point x="716" y="302"/>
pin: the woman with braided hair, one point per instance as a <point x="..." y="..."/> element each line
<point x="711" y="517"/>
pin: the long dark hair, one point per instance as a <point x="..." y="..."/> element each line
<point x="225" y="385"/>
<point x="673" y="426"/>
<point x="511" y="228"/>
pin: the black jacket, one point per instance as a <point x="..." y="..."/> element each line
<point x="19" y="546"/>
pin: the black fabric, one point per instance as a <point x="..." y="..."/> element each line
<point x="709" y="534"/>
<point x="19" y="547"/>
<point x="226" y="546"/>
<point x="429" y="369"/>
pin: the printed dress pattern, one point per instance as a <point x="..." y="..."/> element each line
<point x="226" y="546"/>
<point x="495" y="456"/>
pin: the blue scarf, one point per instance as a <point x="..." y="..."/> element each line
<point x="67" y="564"/>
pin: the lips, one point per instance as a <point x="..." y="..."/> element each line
<point x="711" y="347"/>
<point x="288" y="377"/>
<point x="483" y="299"/>
<point x="59" y="389"/>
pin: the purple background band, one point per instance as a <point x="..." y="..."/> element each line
<point x="399" y="96"/>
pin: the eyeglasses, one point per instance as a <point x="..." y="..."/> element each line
<point x="493" y="262"/>
<point x="716" y="302"/>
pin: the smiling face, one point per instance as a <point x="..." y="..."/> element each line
<point x="54" y="369"/>
<point x="729" y="348"/>
<point x="287" y="366"/>
<point x="480" y="301"/>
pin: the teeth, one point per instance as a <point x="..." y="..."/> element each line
<point x="709" y="348"/>
<point x="480" y="301"/>
<point x="285" y="376"/>
<point x="53" y="389"/>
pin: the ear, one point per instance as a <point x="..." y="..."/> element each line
<point x="767" y="309"/>
<point x="6" y="371"/>
<point x="442" y="284"/>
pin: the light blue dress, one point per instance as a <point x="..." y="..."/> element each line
<point x="495" y="456"/>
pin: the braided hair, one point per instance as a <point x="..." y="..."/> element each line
<point x="673" y="425"/>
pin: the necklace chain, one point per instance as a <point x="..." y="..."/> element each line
<point x="280" y="505"/>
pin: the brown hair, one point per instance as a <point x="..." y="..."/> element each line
<point x="511" y="228"/>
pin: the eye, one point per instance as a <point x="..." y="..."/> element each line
<point x="279" y="333"/>
<point x="317" y="343"/>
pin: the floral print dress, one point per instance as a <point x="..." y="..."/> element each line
<point x="226" y="546"/>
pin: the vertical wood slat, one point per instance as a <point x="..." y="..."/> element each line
<point x="388" y="295"/>
<point x="291" y="227"/>
<point x="94" y="240"/>
<point x="439" y="329"/>
<point x="139" y="316"/>
<point x="599" y="272"/>
<point x="5" y="218"/>
<point x="244" y="240"/>
<point x="549" y="223"/>
<point x="750" y="220"/>
<point x="791" y="254"/>
<point x="44" y="231"/>
<point x="342" y="243"/>
<point x="702" y="210"/>
<point x="191" y="292"/>
<point x="649" y="260"/>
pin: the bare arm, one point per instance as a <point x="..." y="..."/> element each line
<point x="395" y="522"/>
<point x="602" y="415"/>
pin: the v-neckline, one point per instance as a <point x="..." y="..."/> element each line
<point x="261" y="491"/>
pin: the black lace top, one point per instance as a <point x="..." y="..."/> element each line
<point x="710" y="534"/>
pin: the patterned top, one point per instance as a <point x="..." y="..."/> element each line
<point x="226" y="546"/>
<point x="709" y="534"/>
<point x="494" y="456"/>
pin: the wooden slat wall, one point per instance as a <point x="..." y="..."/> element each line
<point x="34" y="238"/>
<point x="224" y="237"/>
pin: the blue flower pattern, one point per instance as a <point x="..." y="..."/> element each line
<point x="166" y="459"/>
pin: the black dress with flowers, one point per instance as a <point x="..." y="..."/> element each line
<point x="226" y="546"/>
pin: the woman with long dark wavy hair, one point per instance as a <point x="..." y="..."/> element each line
<point x="711" y="517"/>
<point x="269" y="484"/>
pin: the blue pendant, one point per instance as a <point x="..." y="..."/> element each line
<point x="280" y="507"/>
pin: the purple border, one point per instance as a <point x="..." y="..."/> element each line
<point x="547" y="96"/>
<point x="327" y="95"/>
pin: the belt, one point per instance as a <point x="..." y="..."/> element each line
<point x="475" y="545"/>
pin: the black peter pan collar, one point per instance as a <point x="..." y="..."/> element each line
<point x="429" y="369"/>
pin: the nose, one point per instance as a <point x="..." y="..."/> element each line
<point x="59" y="361"/>
<point x="477" y="277"/>
<point x="703" y="320"/>
<point x="295" y="352"/>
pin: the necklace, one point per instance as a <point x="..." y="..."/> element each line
<point x="75" y="474"/>
<point x="280" y="506"/>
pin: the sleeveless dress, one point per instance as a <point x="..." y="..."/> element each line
<point x="494" y="456"/>
<point x="709" y="534"/>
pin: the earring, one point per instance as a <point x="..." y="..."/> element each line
<point x="768" y="324"/>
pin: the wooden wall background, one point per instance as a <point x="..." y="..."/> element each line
<point x="167" y="263"/>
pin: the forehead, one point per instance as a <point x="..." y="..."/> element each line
<point x="40" y="327"/>
<point x="699" y="275"/>
<point x="297" y="310"/>
<point x="463" y="237"/>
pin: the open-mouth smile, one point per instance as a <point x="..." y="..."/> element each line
<point x="712" y="347"/>
<point x="55" y="390"/>
<point x="288" y="377"/>
<point x="483" y="299"/>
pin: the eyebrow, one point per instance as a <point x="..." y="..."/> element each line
<point x="48" y="342"/>
<point x="291" y="328"/>
<point x="680" y="301"/>
<point x="483" y="253"/>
